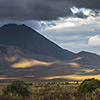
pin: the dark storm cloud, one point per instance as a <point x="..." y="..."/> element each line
<point x="80" y="15"/>
<point x="94" y="13"/>
<point x="90" y="4"/>
<point x="93" y="5"/>
<point x="47" y="24"/>
<point x="24" y="10"/>
<point x="33" y="9"/>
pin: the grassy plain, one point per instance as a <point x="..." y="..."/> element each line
<point x="69" y="78"/>
<point x="51" y="88"/>
<point x="52" y="91"/>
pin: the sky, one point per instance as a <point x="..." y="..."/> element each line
<point x="72" y="24"/>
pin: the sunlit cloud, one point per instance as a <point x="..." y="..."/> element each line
<point x="75" y="34"/>
<point x="94" y="41"/>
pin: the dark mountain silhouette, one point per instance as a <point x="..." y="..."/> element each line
<point x="26" y="38"/>
<point x="23" y="51"/>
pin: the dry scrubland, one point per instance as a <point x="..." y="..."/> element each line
<point x="49" y="91"/>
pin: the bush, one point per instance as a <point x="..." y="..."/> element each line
<point x="28" y="84"/>
<point x="77" y="83"/>
<point x="17" y="87"/>
<point x="89" y="85"/>
<point x="67" y="83"/>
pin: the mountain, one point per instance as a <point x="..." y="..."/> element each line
<point x="26" y="38"/>
<point x="26" y="53"/>
<point x="23" y="51"/>
<point x="89" y="60"/>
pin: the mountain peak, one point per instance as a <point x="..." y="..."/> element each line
<point x="12" y="26"/>
<point x="18" y="30"/>
<point x="86" y="53"/>
<point x="27" y="38"/>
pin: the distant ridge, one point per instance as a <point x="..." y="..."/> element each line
<point x="89" y="60"/>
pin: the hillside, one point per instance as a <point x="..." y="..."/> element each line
<point x="89" y="60"/>
<point x="25" y="52"/>
<point x="26" y="38"/>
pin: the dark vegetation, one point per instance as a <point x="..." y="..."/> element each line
<point x="89" y="85"/>
<point x="17" y="87"/>
<point x="19" y="90"/>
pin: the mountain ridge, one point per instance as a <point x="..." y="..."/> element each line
<point x="32" y="41"/>
<point x="23" y="51"/>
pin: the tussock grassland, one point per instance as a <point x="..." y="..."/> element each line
<point x="52" y="91"/>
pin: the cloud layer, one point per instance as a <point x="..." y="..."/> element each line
<point x="90" y="4"/>
<point x="23" y="10"/>
<point x="94" y="41"/>
<point x="75" y="34"/>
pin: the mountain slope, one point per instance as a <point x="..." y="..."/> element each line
<point x="24" y="52"/>
<point x="26" y="38"/>
<point x="13" y="55"/>
<point x="18" y="62"/>
<point x="89" y="60"/>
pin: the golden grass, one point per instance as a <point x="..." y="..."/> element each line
<point x="73" y="77"/>
<point x="3" y="78"/>
<point x="12" y="59"/>
<point x="78" y="58"/>
<point x="76" y="65"/>
<point x="29" y="63"/>
<point x="29" y="76"/>
<point x="88" y="70"/>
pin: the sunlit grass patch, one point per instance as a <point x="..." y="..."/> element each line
<point x="29" y="63"/>
<point x="3" y="78"/>
<point x="73" y="77"/>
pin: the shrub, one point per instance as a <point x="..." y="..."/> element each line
<point x="77" y="83"/>
<point x="29" y="84"/>
<point x="62" y="83"/>
<point x="89" y="85"/>
<point x="67" y="83"/>
<point x="17" y="87"/>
